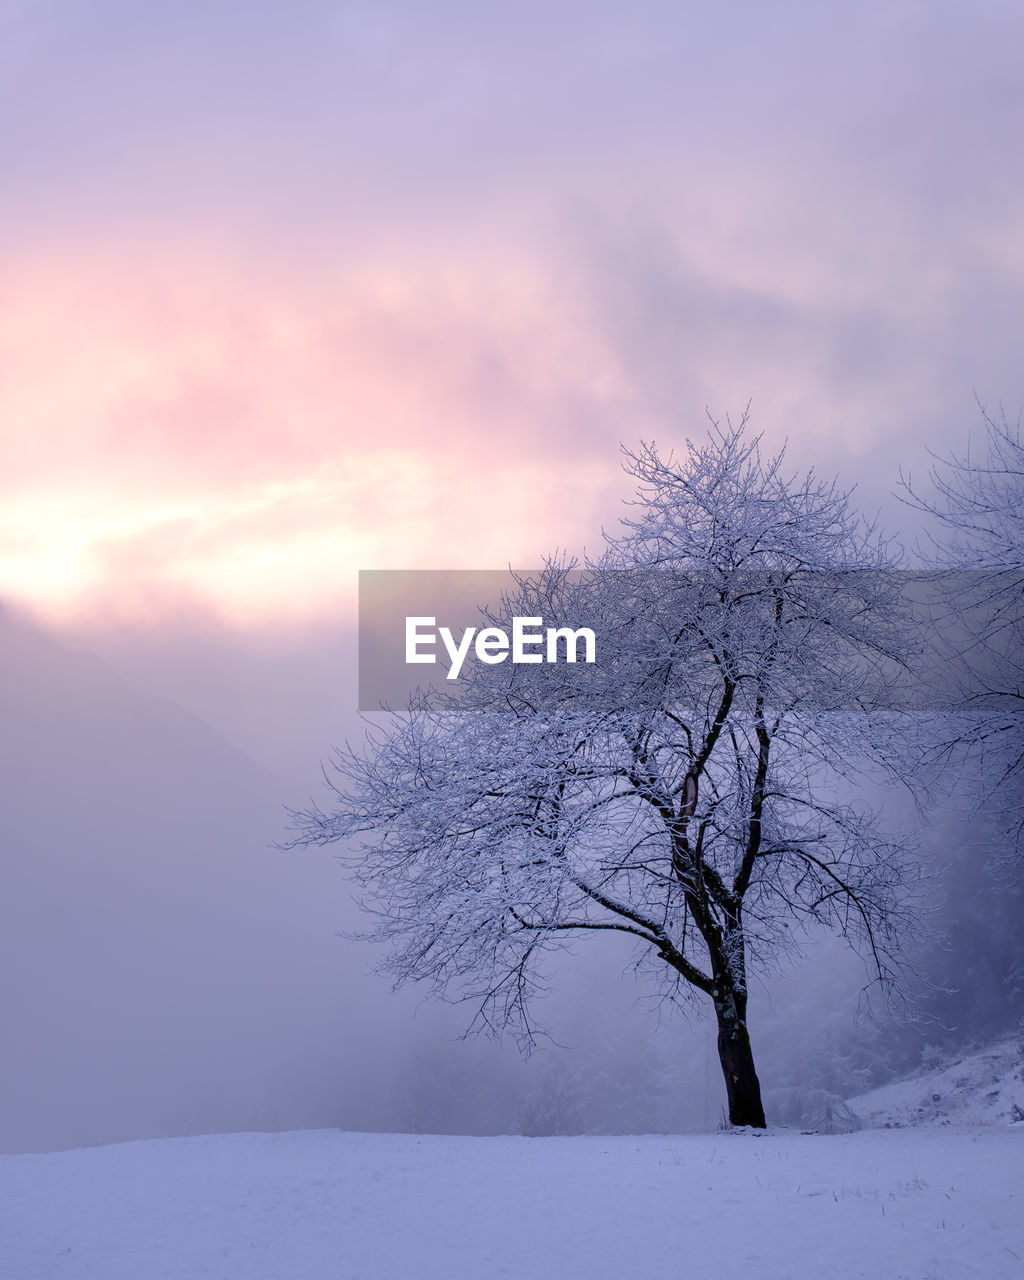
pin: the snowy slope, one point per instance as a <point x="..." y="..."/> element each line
<point x="941" y="1204"/>
<point x="980" y="1088"/>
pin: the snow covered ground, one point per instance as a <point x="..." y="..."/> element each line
<point x="920" y="1204"/>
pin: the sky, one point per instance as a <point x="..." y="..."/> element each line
<point x="291" y="291"/>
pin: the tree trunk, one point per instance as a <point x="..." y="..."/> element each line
<point x="742" y="1086"/>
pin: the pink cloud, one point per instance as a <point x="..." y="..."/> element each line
<point x="181" y="427"/>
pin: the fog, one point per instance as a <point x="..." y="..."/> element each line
<point x="291" y="292"/>
<point x="167" y="970"/>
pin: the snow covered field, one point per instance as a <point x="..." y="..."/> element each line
<point x="921" y="1204"/>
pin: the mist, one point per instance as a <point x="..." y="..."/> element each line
<point x="168" y="970"/>
<point x="293" y="294"/>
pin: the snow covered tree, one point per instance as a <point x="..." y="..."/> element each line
<point x="684" y="792"/>
<point x="976" y="507"/>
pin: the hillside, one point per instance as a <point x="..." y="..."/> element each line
<point x="983" y="1088"/>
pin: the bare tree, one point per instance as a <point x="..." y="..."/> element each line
<point x="685" y="792"/>
<point x="976" y="552"/>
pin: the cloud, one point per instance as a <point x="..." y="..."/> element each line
<point x="230" y="432"/>
<point x="390" y="286"/>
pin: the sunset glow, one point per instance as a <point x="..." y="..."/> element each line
<point x="401" y="310"/>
